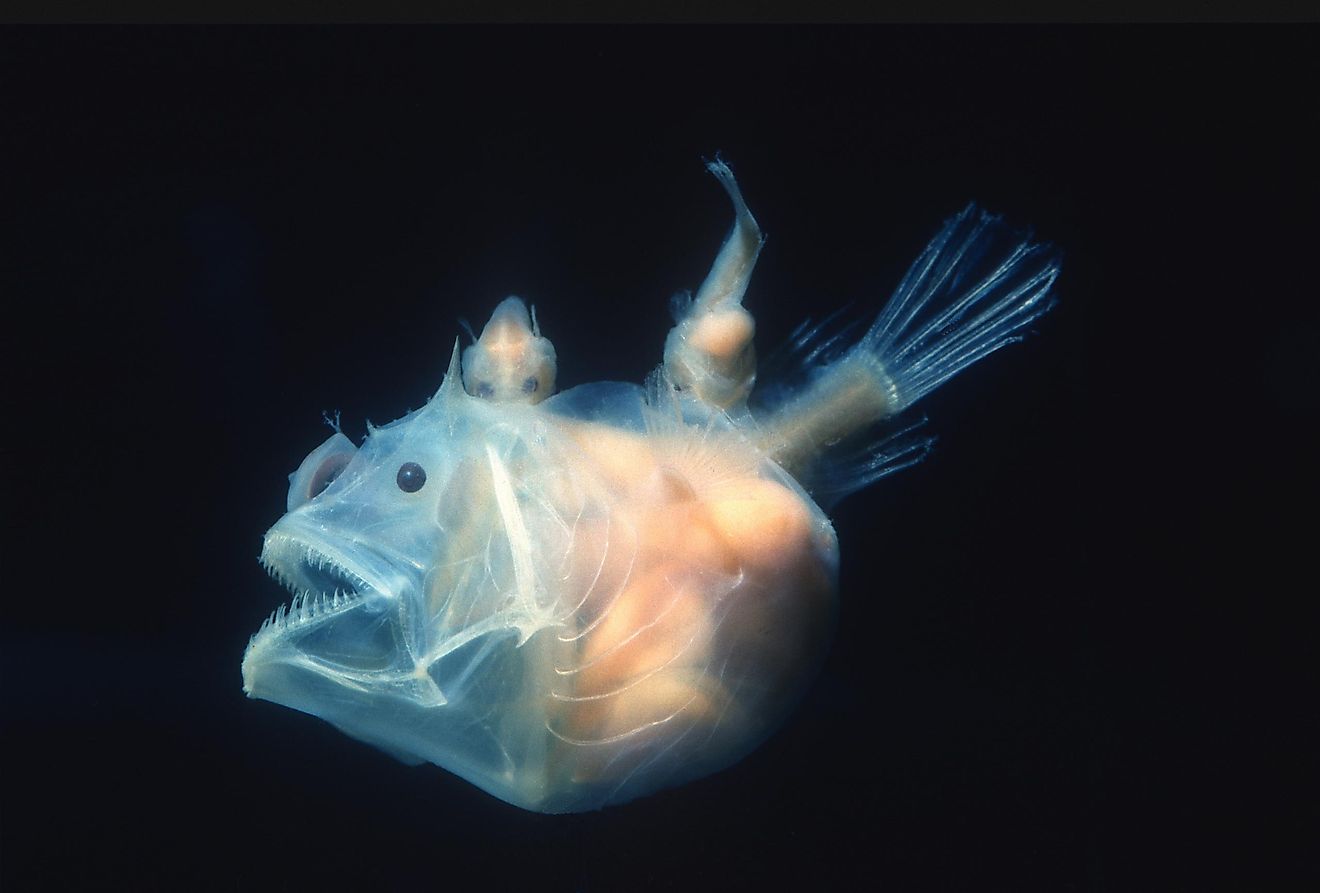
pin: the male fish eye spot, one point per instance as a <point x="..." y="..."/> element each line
<point x="530" y="385"/>
<point x="484" y="389"/>
<point x="330" y="469"/>
<point x="411" y="477"/>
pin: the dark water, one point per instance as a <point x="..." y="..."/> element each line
<point x="214" y="235"/>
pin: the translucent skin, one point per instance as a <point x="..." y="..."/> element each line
<point x="567" y="613"/>
<point x="578" y="599"/>
<point x="690" y="653"/>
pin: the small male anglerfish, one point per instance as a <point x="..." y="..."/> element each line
<point x="576" y="599"/>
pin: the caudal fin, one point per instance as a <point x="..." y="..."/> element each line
<point x="978" y="285"/>
<point x="975" y="288"/>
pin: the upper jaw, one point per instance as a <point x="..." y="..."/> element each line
<point x="309" y="557"/>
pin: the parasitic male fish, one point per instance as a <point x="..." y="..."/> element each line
<point x="574" y="599"/>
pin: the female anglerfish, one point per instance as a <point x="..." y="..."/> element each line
<point x="575" y="599"/>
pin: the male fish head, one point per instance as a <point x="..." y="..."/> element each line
<point x="511" y="362"/>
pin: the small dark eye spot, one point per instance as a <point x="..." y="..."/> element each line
<point x="411" y="477"/>
<point x="530" y="385"/>
<point x="485" y="390"/>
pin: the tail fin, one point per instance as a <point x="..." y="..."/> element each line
<point x="977" y="287"/>
<point x="864" y="461"/>
<point x="974" y="289"/>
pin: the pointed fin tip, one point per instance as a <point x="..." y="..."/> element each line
<point x="453" y="380"/>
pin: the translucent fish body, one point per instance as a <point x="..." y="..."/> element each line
<point x="573" y="600"/>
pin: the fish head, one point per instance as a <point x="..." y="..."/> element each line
<point x="389" y="636"/>
<point x="353" y="548"/>
<point x="511" y="362"/>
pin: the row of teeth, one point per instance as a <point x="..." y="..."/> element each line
<point x="314" y="557"/>
<point x="306" y="607"/>
<point x="322" y="560"/>
<point x="307" y="604"/>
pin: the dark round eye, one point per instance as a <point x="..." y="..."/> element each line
<point x="326" y="474"/>
<point x="530" y="385"/>
<point x="411" y="477"/>
<point x="485" y="390"/>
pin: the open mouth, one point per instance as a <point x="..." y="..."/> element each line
<point x="341" y="631"/>
<point x="322" y="586"/>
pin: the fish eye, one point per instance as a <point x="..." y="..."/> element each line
<point x="484" y="389"/>
<point x="411" y="477"/>
<point x="530" y="385"/>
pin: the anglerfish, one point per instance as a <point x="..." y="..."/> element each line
<point x="572" y="599"/>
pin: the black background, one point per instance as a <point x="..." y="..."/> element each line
<point x="1047" y="668"/>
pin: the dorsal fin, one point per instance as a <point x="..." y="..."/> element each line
<point x="452" y="385"/>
